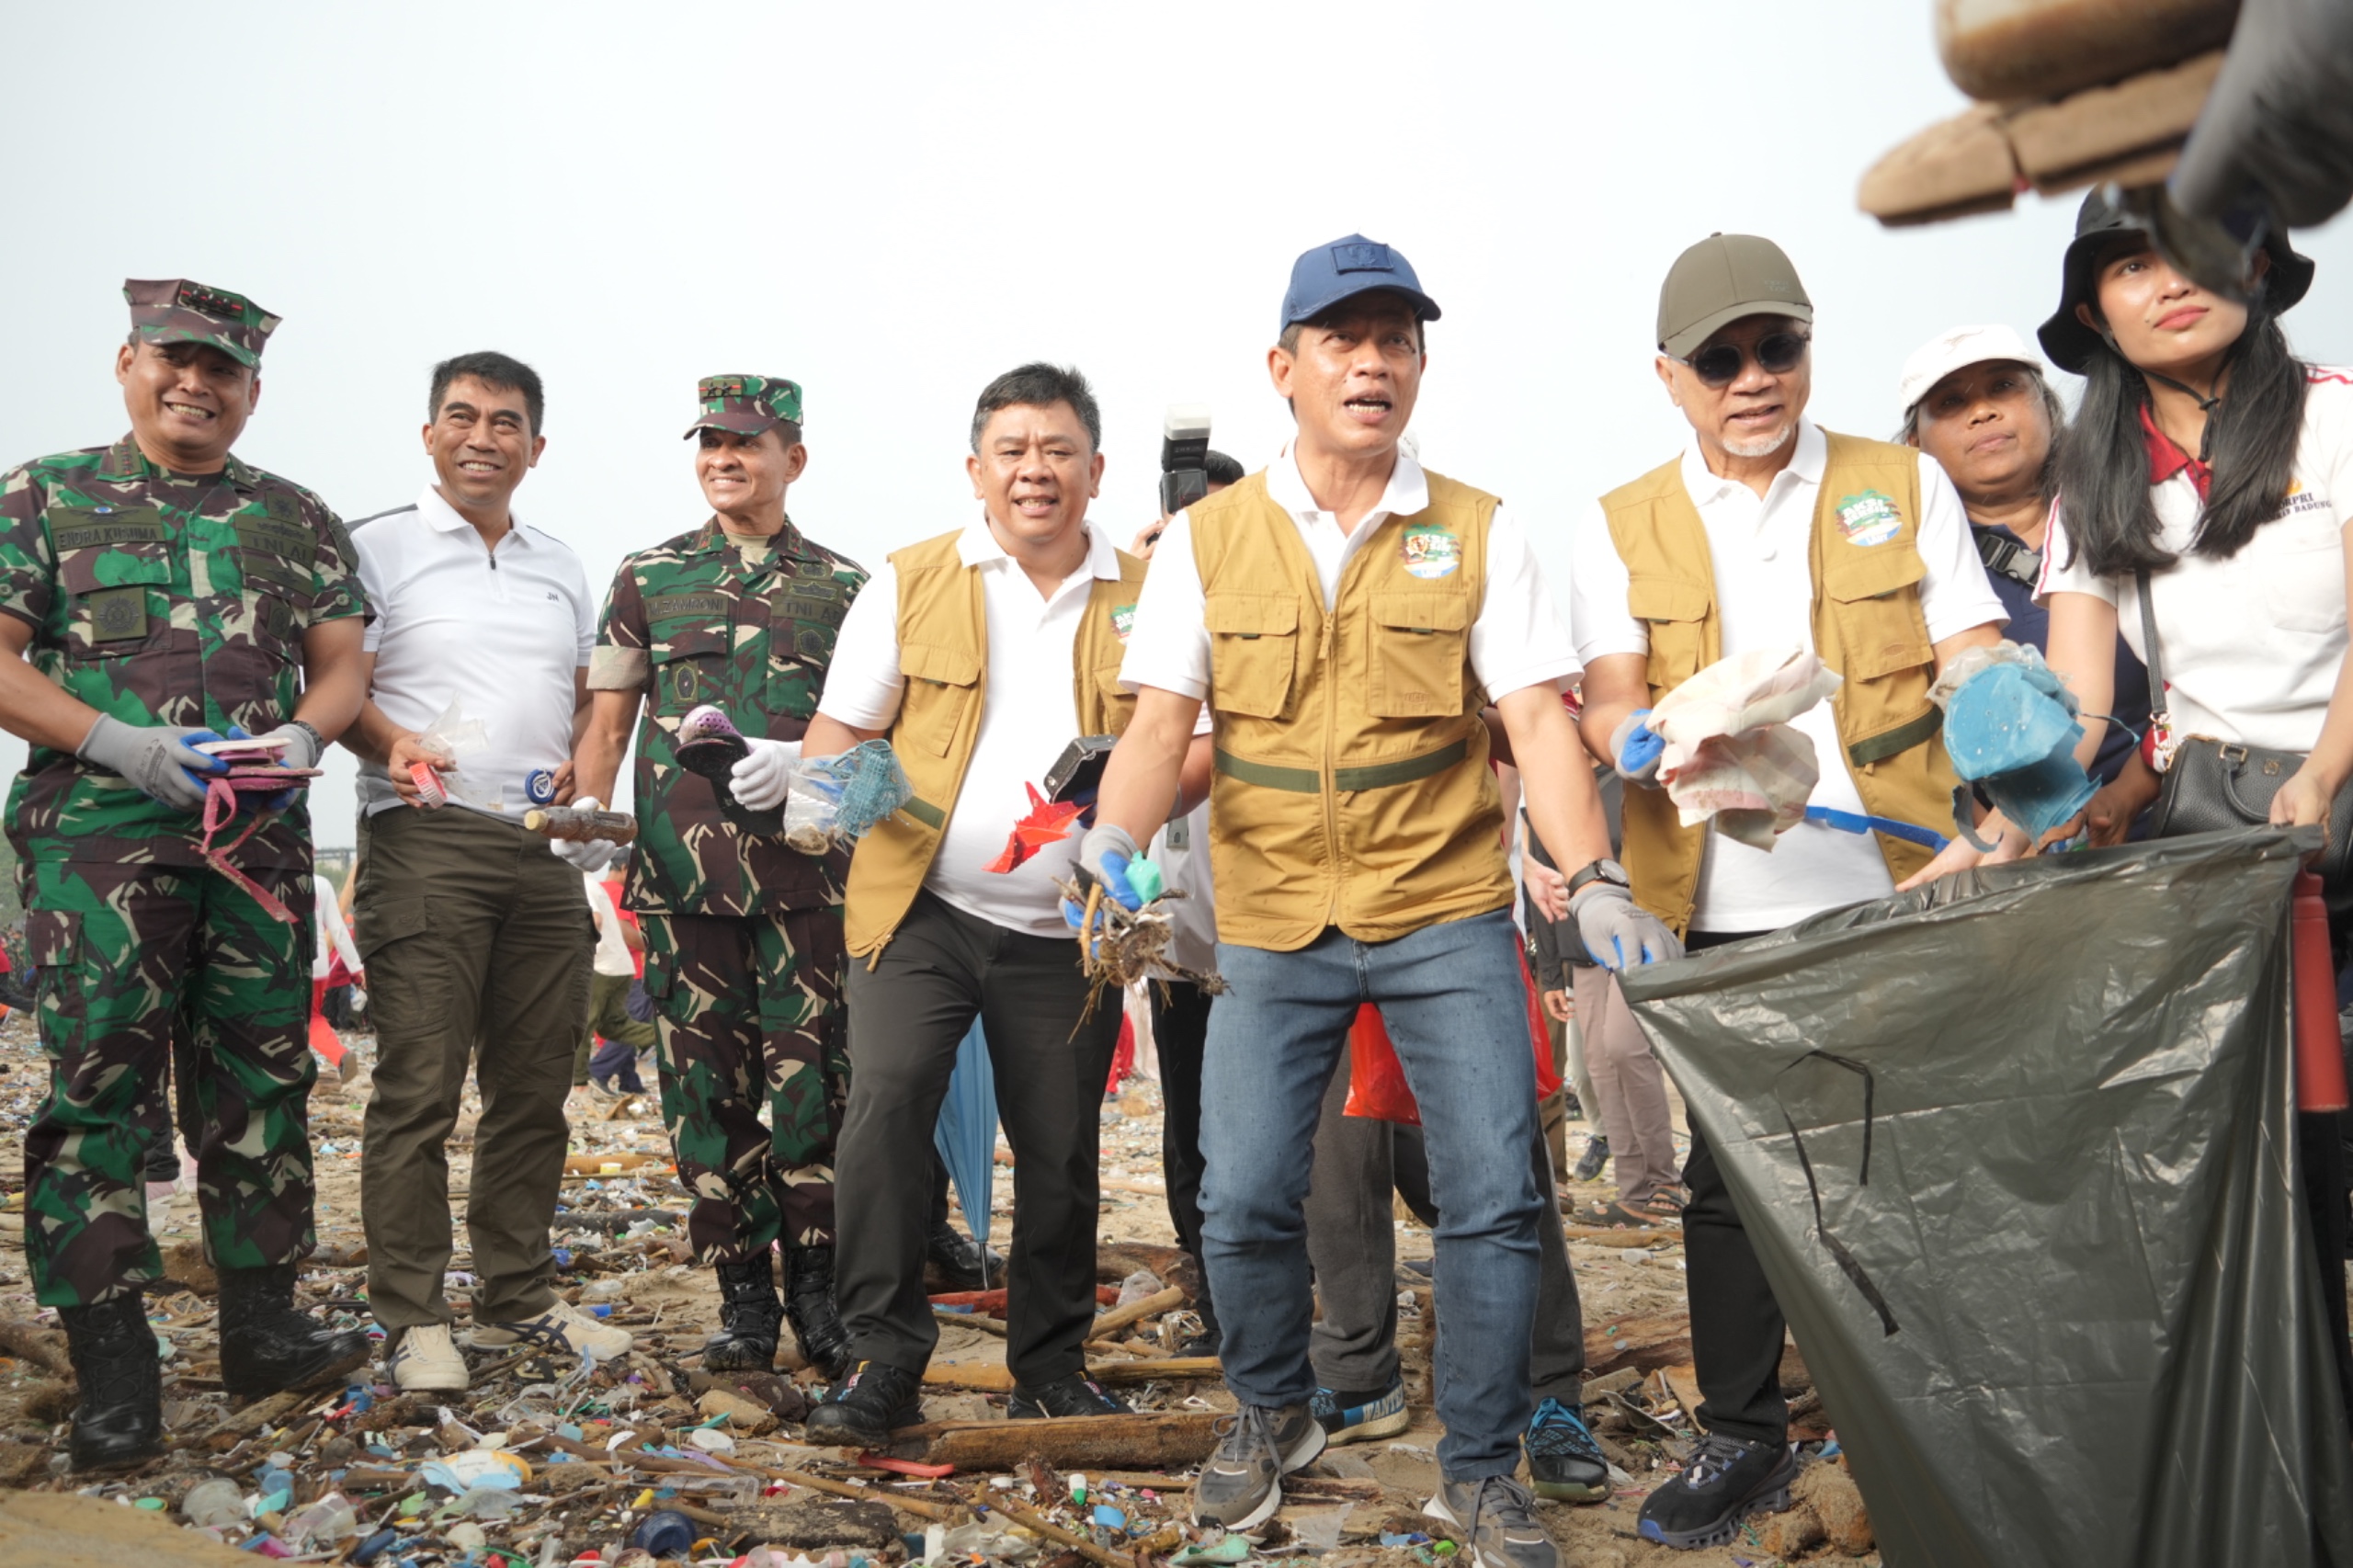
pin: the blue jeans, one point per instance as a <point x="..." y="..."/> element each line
<point x="1451" y="997"/>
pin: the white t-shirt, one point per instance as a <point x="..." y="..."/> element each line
<point x="1758" y="548"/>
<point x="1517" y="639"/>
<point x="1027" y="716"/>
<point x="2252" y="645"/>
<point x="612" y="947"/>
<point x="501" y="633"/>
<point x="334" y="936"/>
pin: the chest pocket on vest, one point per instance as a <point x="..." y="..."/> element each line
<point x="1253" y="651"/>
<point x="941" y="683"/>
<point x="1881" y="629"/>
<point x="691" y="667"/>
<point x="1420" y="647"/>
<point x="1672" y="611"/>
<point x="115" y="608"/>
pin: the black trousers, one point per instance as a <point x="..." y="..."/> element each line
<point x="1180" y="1029"/>
<point x="907" y="1015"/>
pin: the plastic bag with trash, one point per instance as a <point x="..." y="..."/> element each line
<point x="2010" y="729"/>
<point x="1731" y="756"/>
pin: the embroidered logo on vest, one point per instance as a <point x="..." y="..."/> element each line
<point x="1869" y="518"/>
<point x="1123" y="621"/>
<point x="1429" y="551"/>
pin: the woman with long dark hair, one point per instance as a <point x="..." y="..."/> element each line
<point x="2211" y="470"/>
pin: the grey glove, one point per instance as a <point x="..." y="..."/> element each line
<point x="155" y="758"/>
<point x="587" y="854"/>
<point x="1618" y="932"/>
<point x="301" y="744"/>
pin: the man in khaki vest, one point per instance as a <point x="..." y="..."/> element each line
<point x="1768" y="532"/>
<point x="981" y="655"/>
<point x="1347" y="616"/>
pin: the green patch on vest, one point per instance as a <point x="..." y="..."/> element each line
<point x="1869" y="518"/>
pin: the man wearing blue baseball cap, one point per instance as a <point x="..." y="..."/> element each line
<point x="1349" y="617"/>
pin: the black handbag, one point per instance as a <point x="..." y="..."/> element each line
<point x="2214" y="786"/>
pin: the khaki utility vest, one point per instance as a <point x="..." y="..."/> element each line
<point x="943" y="653"/>
<point x="1867" y="626"/>
<point x="1352" y="785"/>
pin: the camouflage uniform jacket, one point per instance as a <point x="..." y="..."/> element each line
<point x="754" y="642"/>
<point x="161" y="598"/>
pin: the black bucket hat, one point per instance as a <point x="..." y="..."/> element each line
<point x="2105" y="214"/>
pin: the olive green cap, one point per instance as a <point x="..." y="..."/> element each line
<point x="1720" y="279"/>
<point x="746" y="405"/>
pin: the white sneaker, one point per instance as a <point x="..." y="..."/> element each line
<point x="427" y="1361"/>
<point x="562" y="1327"/>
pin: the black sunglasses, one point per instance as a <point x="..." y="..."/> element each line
<point x="1777" y="353"/>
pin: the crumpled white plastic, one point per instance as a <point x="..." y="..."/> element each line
<point x="1731" y="756"/>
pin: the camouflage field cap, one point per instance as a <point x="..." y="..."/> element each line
<point x="174" y="310"/>
<point x="746" y="405"/>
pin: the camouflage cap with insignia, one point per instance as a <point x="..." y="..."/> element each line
<point x="172" y="310"/>
<point x="746" y="404"/>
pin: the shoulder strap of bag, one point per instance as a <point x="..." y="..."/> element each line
<point x="2148" y="654"/>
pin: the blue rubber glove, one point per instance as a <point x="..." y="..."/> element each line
<point x="1635" y="749"/>
<point x="1107" y="858"/>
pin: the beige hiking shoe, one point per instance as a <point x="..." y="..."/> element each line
<point x="427" y="1361"/>
<point x="563" y="1327"/>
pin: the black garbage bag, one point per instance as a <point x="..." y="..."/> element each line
<point x="2071" y="1317"/>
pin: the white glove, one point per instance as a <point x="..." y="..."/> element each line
<point x="587" y="854"/>
<point x="761" y="776"/>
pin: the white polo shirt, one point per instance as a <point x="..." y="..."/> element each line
<point x="1517" y="639"/>
<point x="1758" y="548"/>
<point x="2252" y="644"/>
<point x="500" y="633"/>
<point x="1028" y="714"/>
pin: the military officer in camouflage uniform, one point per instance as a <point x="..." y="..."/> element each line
<point x="743" y="935"/>
<point x="158" y="593"/>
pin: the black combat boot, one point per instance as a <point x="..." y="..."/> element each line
<point x="809" y="1304"/>
<point x="750" y="1317"/>
<point x="267" y="1347"/>
<point x="963" y="1262"/>
<point x="120" y="1420"/>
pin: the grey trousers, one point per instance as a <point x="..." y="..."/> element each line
<point x="1629" y="1086"/>
<point x="1352" y="1247"/>
<point x="478" y="944"/>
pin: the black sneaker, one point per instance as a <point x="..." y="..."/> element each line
<point x="1209" y="1342"/>
<point x="1077" y="1394"/>
<point x="1348" y="1418"/>
<point x="1589" y="1164"/>
<point x="963" y="1262"/>
<point x="863" y="1410"/>
<point x="1242" y="1483"/>
<point x="1726" y="1481"/>
<point x="1564" y="1462"/>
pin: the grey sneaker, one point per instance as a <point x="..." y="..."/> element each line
<point x="1491" y="1517"/>
<point x="1242" y="1483"/>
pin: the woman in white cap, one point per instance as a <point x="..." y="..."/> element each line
<point x="1975" y="399"/>
<point x="2211" y="474"/>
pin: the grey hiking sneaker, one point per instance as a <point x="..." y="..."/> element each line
<point x="1491" y="1517"/>
<point x="1243" y="1482"/>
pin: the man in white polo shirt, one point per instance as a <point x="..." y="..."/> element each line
<point x="981" y="655"/>
<point x="471" y="930"/>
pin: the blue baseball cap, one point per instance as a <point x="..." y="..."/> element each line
<point x="1328" y="274"/>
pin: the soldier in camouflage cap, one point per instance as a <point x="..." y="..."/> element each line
<point x="157" y="594"/>
<point x="743" y="935"/>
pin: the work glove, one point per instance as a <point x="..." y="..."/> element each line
<point x="1635" y="748"/>
<point x="763" y="774"/>
<point x="1107" y="858"/>
<point x="1617" y="931"/>
<point x="301" y="751"/>
<point x="155" y="758"/>
<point x="586" y="853"/>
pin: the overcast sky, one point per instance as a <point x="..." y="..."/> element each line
<point x="891" y="204"/>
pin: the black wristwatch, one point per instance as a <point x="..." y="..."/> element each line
<point x="1608" y="872"/>
<point x="318" y="742"/>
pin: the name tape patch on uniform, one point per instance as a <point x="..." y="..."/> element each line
<point x="271" y="537"/>
<point x="664" y="607"/>
<point x="1429" y="551"/>
<point x="1869" y="518"/>
<point x="104" y="529"/>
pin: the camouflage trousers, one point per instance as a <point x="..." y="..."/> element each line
<point x="750" y="1013"/>
<point x="125" y="953"/>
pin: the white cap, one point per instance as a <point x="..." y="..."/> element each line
<point x="1950" y="351"/>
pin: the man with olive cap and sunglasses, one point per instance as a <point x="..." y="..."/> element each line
<point x="1768" y="532"/>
